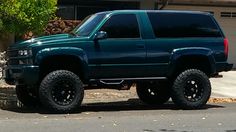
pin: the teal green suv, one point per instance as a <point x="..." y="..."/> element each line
<point x="166" y="54"/>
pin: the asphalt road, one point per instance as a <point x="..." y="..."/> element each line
<point x="121" y="117"/>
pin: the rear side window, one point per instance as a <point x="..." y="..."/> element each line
<point x="122" y="26"/>
<point x="170" y="25"/>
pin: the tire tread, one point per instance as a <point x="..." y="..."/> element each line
<point x="178" y="97"/>
<point x="44" y="91"/>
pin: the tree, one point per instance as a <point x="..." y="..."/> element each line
<point x="22" y="16"/>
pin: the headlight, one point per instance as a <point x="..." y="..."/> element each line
<point x="24" y="52"/>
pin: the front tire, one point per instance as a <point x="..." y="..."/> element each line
<point x="61" y="91"/>
<point x="153" y="93"/>
<point x="191" y="89"/>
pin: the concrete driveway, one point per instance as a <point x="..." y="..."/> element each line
<point x="226" y="86"/>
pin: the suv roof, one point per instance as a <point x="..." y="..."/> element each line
<point x="157" y="11"/>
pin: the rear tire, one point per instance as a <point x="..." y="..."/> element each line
<point x="25" y="97"/>
<point x="153" y="93"/>
<point x="191" y="89"/>
<point x="61" y="91"/>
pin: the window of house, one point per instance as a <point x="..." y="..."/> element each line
<point x="85" y="8"/>
<point x="63" y="2"/>
<point x="173" y="25"/>
<point x="66" y="12"/>
<point x="228" y="14"/>
<point x="122" y="26"/>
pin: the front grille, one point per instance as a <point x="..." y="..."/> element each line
<point x="13" y="62"/>
<point x="13" y="58"/>
<point x="12" y="53"/>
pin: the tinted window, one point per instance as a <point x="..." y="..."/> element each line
<point x="183" y="25"/>
<point x="122" y="26"/>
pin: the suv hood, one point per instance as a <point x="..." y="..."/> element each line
<point x="51" y="39"/>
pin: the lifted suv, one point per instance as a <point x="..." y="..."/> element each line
<point x="165" y="53"/>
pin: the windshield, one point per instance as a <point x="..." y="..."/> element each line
<point x="88" y="24"/>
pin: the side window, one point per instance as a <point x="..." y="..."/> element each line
<point x="170" y="25"/>
<point x="122" y="26"/>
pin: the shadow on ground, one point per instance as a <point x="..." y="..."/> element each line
<point x="133" y="104"/>
<point x="9" y="102"/>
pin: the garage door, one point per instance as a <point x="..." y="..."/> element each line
<point x="227" y="21"/>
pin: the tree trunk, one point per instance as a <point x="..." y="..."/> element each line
<point x="5" y="41"/>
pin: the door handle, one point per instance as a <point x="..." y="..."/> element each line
<point x="140" y="46"/>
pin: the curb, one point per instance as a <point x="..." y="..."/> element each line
<point x="222" y="100"/>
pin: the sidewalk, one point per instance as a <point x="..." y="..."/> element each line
<point x="224" y="87"/>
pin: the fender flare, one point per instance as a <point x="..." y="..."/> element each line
<point x="70" y="51"/>
<point x="193" y="51"/>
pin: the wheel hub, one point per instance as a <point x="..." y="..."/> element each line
<point x="193" y="90"/>
<point x="63" y="92"/>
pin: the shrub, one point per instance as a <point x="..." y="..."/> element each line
<point x="56" y="26"/>
<point x="22" y="16"/>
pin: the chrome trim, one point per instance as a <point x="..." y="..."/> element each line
<point x="111" y="83"/>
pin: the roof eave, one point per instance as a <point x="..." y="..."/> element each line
<point x="229" y="3"/>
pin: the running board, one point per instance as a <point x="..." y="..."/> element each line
<point x="117" y="81"/>
<point x="113" y="82"/>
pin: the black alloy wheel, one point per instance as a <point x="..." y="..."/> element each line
<point x="61" y="91"/>
<point x="191" y="89"/>
<point x="153" y="93"/>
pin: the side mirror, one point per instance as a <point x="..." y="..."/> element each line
<point x="100" y="35"/>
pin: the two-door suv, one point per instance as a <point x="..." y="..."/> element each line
<point x="164" y="53"/>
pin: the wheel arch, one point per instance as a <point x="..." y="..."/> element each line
<point x="69" y="58"/>
<point x="199" y="58"/>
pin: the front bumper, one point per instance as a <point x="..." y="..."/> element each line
<point x="21" y="74"/>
